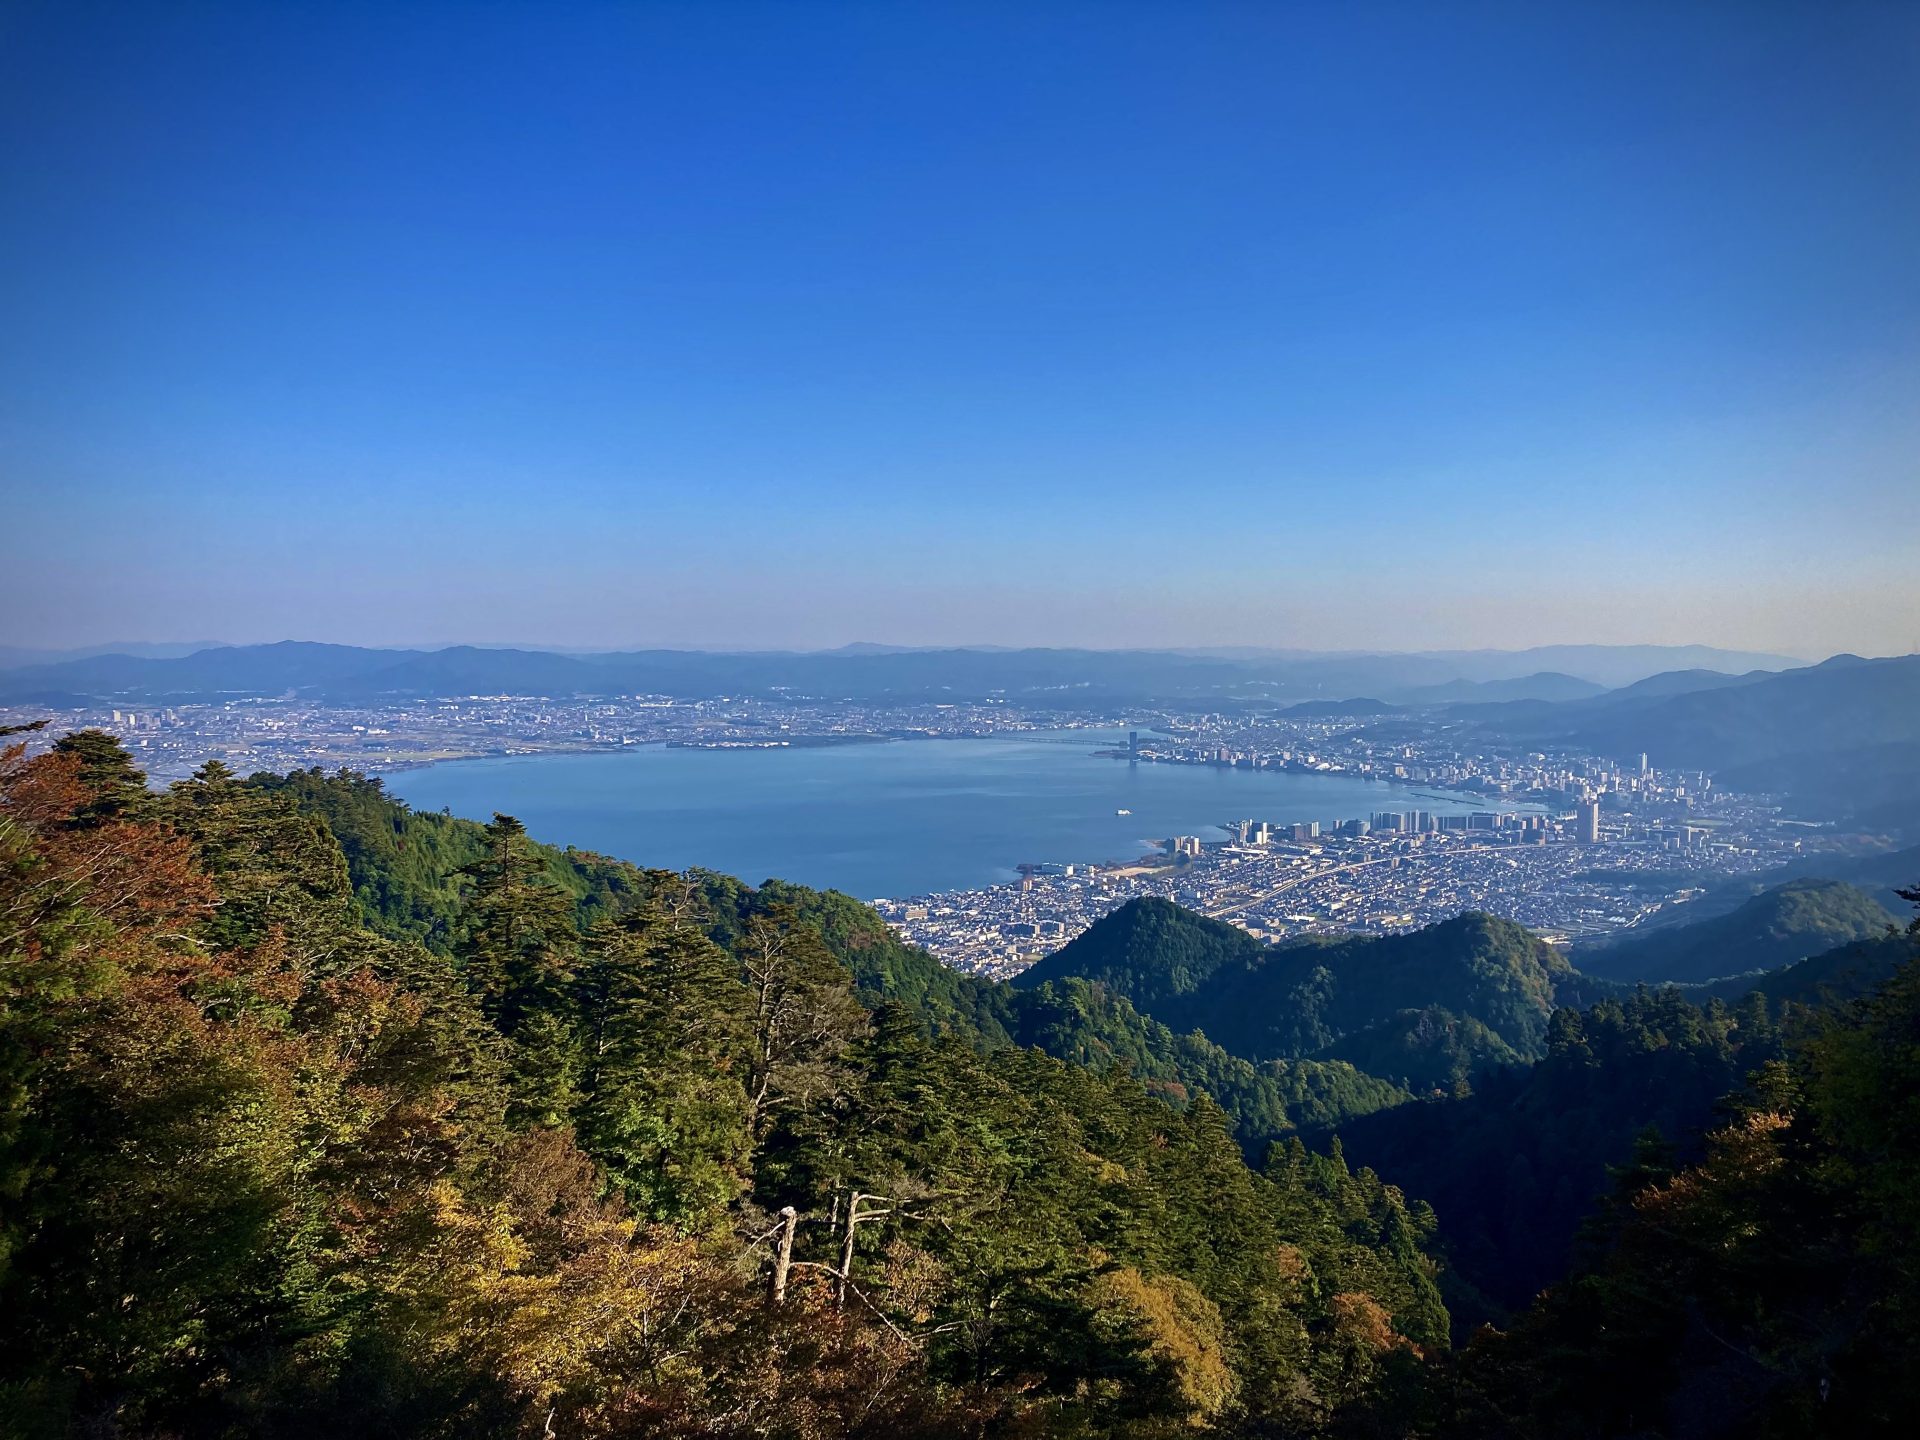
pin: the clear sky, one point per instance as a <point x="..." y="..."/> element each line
<point x="1116" y="324"/>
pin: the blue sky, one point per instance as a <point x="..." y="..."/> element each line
<point x="792" y="324"/>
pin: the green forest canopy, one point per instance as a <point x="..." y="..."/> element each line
<point x="317" y="1115"/>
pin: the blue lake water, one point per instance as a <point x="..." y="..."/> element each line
<point x="896" y="819"/>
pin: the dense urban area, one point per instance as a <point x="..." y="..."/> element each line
<point x="1571" y="845"/>
<point x="1568" y="845"/>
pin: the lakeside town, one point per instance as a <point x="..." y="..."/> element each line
<point x="1571" y="845"/>
<point x="252" y="734"/>
<point x="1353" y="877"/>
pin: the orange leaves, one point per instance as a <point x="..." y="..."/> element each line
<point x="68" y="891"/>
<point x="1713" y="1205"/>
<point x="1360" y="1322"/>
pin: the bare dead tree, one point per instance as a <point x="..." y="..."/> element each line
<point x="783" y="1252"/>
<point x="856" y="1217"/>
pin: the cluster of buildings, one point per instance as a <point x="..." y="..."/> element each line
<point x="1539" y="870"/>
<point x="1344" y="747"/>
<point x="1569" y="844"/>
<point x="253" y="734"/>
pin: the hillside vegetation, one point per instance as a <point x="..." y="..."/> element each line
<point x="407" y="870"/>
<point x="1514" y="1165"/>
<point x="1775" y="928"/>
<point x="270" y="1171"/>
<point x="318" y="1117"/>
<point x="1426" y="1008"/>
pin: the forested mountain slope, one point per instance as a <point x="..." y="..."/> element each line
<point x="1428" y="1007"/>
<point x="268" y="1171"/>
<point x="406" y="869"/>
<point x="1771" y="1289"/>
<point x="1516" y="1165"/>
<point x="300" y="1138"/>
<point x="1824" y="981"/>
<point x="1775" y="928"/>
<point x="1163" y="958"/>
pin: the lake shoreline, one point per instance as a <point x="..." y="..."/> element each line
<point x="880" y="819"/>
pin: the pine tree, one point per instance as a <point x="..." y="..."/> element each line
<point x="115" y="788"/>
<point x="663" y="1048"/>
<point x="802" y="1014"/>
<point x="279" y="872"/>
<point x="518" y="949"/>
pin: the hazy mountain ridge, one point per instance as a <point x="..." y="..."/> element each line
<point x="1547" y="685"/>
<point x="1838" y="738"/>
<point x="1062" y="675"/>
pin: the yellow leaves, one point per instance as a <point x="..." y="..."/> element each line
<point x="913" y="1281"/>
<point x="1182" y="1328"/>
<point x="549" y="1291"/>
<point x="614" y="1298"/>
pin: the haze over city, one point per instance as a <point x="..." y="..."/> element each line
<point x="789" y="326"/>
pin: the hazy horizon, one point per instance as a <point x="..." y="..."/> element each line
<point x="13" y="638"/>
<point x="567" y="647"/>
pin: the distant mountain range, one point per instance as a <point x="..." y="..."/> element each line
<point x="855" y="672"/>
<point x="1838" y="738"/>
<point x="1548" y="685"/>
<point x="12" y="657"/>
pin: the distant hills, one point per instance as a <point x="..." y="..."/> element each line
<point x="12" y="657"/>
<point x="1548" y="685"/>
<point x="1776" y="928"/>
<point x="1610" y="666"/>
<point x="864" y="672"/>
<point x="1841" y="703"/>
<point x="1838" y="738"/>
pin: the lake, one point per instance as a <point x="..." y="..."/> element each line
<point x="894" y="819"/>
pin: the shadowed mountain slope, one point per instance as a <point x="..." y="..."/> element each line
<point x="1426" y="1007"/>
<point x="1776" y="927"/>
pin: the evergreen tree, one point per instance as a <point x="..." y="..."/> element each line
<point x="663" y="1050"/>
<point x="518" y="949"/>
<point x="802" y="1016"/>
<point x="115" y="788"/>
<point x="279" y="873"/>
